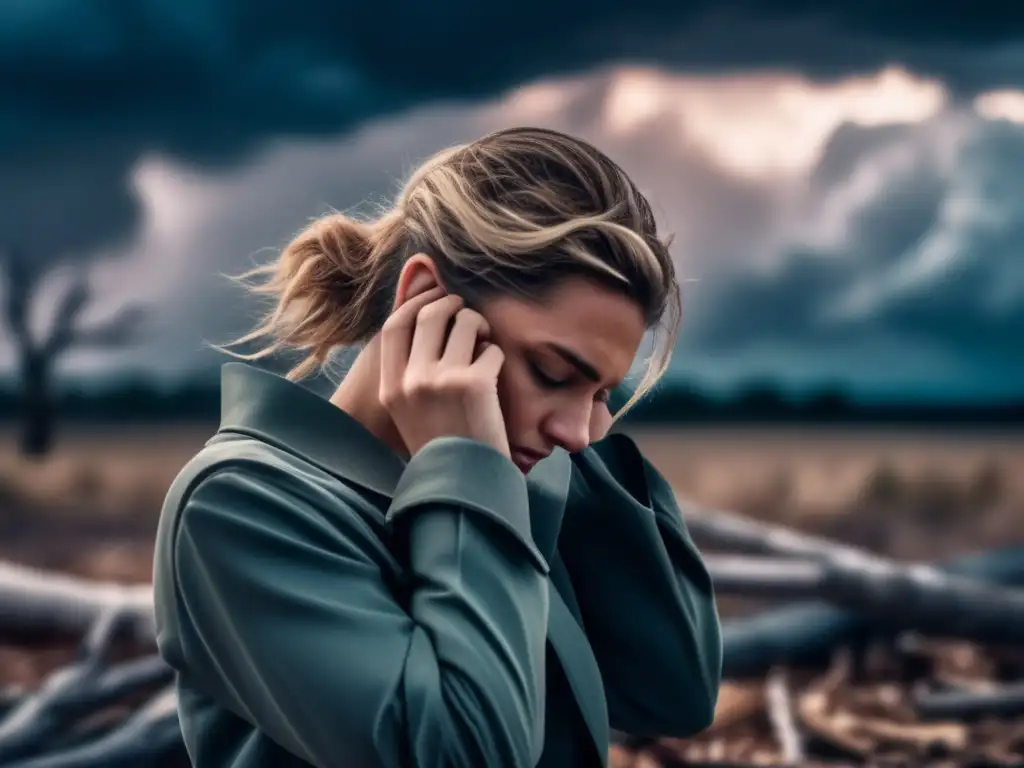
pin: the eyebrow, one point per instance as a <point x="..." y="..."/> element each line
<point x="577" y="362"/>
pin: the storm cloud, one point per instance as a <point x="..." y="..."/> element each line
<point x="824" y="241"/>
<point x="209" y="82"/>
<point x="920" y="277"/>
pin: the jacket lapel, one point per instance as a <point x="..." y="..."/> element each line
<point x="581" y="670"/>
<point x="549" y="488"/>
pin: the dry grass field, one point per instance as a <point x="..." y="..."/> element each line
<point x="908" y="495"/>
<point x="92" y="509"/>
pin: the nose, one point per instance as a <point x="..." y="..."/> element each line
<point x="569" y="429"/>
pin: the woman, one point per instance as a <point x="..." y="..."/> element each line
<point x="441" y="566"/>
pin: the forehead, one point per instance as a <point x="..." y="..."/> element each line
<point x="600" y="325"/>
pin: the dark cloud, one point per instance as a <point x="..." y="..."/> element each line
<point x="206" y="82"/>
<point x="68" y="198"/>
<point x="778" y="279"/>
<point x="832" y="41"/>
<point x="88" y="87"/>
<point x="242" y="67"/>
<point x="929" y="261"/>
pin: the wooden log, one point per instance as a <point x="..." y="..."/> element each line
<point x="904" y="596"/>
<point x="86" y="684"/>
<point x="149" y="735"/>
<point x="35" y="602"/>
<point x="739" y="533"/>
<point x="1006" y="701"/>
<point x="803" y="633"/>
<point x="773" y="578"/>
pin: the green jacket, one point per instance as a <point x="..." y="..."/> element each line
<point x="326" y="603"/>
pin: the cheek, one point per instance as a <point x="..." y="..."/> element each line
<point x="518" y="395"/>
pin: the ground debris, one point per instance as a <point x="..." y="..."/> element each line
<point x="865" y="709"/>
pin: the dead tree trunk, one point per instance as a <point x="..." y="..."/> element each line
<point x="38" y="357"/>
<point x="37" y="407"/>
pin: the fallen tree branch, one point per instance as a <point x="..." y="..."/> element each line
<point x="35" y="602"/>
<point x="921" y="597"/>
<point x="802" y="634"/>
<point x="75" y="690"/>
<point x="741" y="534"/>
<point x="151" y="733"/>
<point x="1004" y="701"/>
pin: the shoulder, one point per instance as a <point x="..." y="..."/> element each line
<point x="248" y="462"/>
<point x="238" y="482"/>
<point x="243" y="515"/>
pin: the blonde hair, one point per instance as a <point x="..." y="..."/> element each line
<point x="513" y="212"/>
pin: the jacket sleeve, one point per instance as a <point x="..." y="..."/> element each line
<point x="644" y="593"/>
<point x="290" y="624"/>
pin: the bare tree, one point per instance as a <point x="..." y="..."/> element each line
<point x="36" y="358"/>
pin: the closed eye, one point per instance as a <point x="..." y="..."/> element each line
<point x="550" y="382"/>
<point x="545" y="380"/>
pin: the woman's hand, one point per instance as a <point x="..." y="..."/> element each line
<point x="432" y="381"/>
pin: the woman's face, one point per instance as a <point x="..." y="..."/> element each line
<point x="562" y="359"/>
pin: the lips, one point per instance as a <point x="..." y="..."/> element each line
<point x="525" y="459"/>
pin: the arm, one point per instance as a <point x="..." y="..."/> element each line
<point x="644" y="593"/>
<point x="288" y="620"/>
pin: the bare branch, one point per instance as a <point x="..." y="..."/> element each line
<point x="122" y="329"/>
<point x="22" y="282"/>
<point x="70" y="307"/>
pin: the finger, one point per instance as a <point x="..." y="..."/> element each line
<point x="432" y="324"/>
<point x="481" y="345"/>
<point x="396" y="336"/>
<point x="490" y="361"/>
<point x="469" y="328"/>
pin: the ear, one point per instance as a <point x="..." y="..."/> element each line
<point x="419" y="274"/>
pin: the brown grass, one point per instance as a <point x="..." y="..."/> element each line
<point x="908" y="495"/>
<point x="900" y="494"/>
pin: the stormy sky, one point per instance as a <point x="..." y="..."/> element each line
<point x="845" y="182"/>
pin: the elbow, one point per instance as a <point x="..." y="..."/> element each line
<point x="709" y="663"/>
<point x="679" y="700"/>
<point x="692" y="712"/>
<point x="680" y="707"/>
<point x="705" y="639"/>
<point x="698" y="682"/>
<point x="702" y="708"/>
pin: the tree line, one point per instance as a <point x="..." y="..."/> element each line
<point x="671" y="404"/>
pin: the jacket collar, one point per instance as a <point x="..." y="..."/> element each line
<point x="273" y="409"/>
